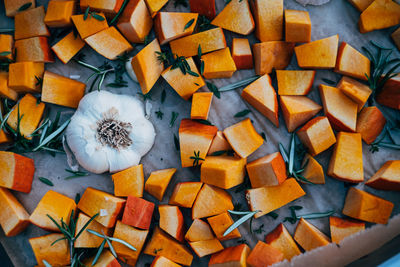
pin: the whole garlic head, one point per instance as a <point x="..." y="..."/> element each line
<point x="109" y="132"/>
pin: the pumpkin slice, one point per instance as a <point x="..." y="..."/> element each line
<point x="201" y="103"/>
<point x="199" y="231"/>
<point x="12" y="6"/>
<point x="57" y="254"/>
<point x="6" y="45"/>
<point x="16" y="172"/>
<point x="272" y="55"/>
<point x="138" y="212"/>
<point x="297" y="26"/>
<point x="356" y="91"/>
<point x="30" y="23"/>
<point x="396" y="37"/>
<point x="342" y="228"/>
<point x="370" y="123"/>
<point x="35" y="49"/>
<point x="211" y="201"/>
<point x="89" y="26"/>
<point x="86" y="239"/>
<point x="106" y="258"/>
<point x="23" y="77"/>
<point x="361" y="5"/>
<point x="158" y="182"/>
<point x="295" y="82"/>
<point x="109" y="7"/>
<point x="218" y="64"/>
<point x="173" y="25"/>
<point x="13" y="218"/>
<point x="387" y="177"/>
<point x="219" y="145"/>
<point x="171" y="221"/>
<point x="268" y="16"/>
<point x="220" y="223"/>
<point x="206" y="247"/>
<point x="352" y="63"/>
<point x="6" y="91"/>
<point x="185" y="194"/>
<point x="309" y="237"/>
<point x="379" y="15"/>
<point x="68" y="47"/>
<point x="129" y="182"/>
<point x="231" y="256"/>
<point x="313" y="171"/>
<point x="59" y="13"/>
<point x="264" y="255"/>
<point x="241" y="53"/>
<point x="390" y="93"/>
<point x="161" y="261"/>
<point x="280" y="239"/>
<point x="155" y="5"/>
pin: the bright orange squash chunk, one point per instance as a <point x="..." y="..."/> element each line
<point x="30" y="23"/>
<point x="68" y="47"/>
<point x="241" y="53"/>
<point x="361" y="5"/>
<point x="379" y="15"/>
<point x="106" y="259"/>
<point x="6" y="91"/>
<point x="219" y="144"/>
<point x="23" y="77"/>
<point x="281" y="239"/>
<point x="158" y="182"/>
<point x="356" y="91"/>
<point x="35" y="49"/>
<point x="313" y="171"/>
<point x="161" y="261"/>
<point x="171" y="221"/>
<point x="16" y="172"/>
<point x="342" y="228"/>
<point x="370" y="123"/>
<point x="109" y="7"/>
<point x="387" y="177"/>
<point x="6" y="45"/>
<point x="390" y="93"/>
<point x="230" y="256"/>
<point x="173" y="25"/>
<point x="295" y="82"/>
<point x="309" y="237"/>
<point x="201" y="103"/>
<point x="198" y="231"/>
<point x="57" y="254"/>
<point x="203" y="7"/>
<point x="89" y="26"/>
<point x="12" y="6"/>
<point x="206" y="247"/>
<point x="264" y="255"/>
<point x="138" y="212"/>
<point x="268" y="16"/>
<point x="13" y="218"/>
<point x="352" y="63"/>
<point x="220" y="223"/>
<point x="185" y="194"/>
<point x="272" y="55"/>
<point x="86" y="239"/>
<point x="297" y="26"/>
<point x="59" y="13"/>
<point x="211" y="201"/>
<point x="155" y="5"/>
<point x="218" y="64"/>
<point x="129" y="182"/>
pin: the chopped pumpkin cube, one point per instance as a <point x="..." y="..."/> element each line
<point x="161" y="261"/>
<point x="272" y="55"/>
<point x="138" y="212"/>
<point x="297" y="26"/>
<point x="268" y="16"/>
<point x="211" y="201"/>
<point x="356" y="91"/>
<point x="171" y="221"/>
<point x="158" y="182"/>
<point x="129" y="182"/>
<point x="12" y="6"/>
<point x="396" y="37"/>
<point x="220" y="223"/>
<point x="209" y="41"/>
<point x="6" y="45"/>
<point x="313" y="171"/>
<point x="54" y="205"/>
<point x="264" y="255"/>
<point x="173" y="25"/>
<point x="203" y="7"/>
<point x="35" y="49"/>
<point x="201" y="103"/>
<point x="185" y="194"/>
<point x="16" y="172"/>
<point x="86" y="239"/>
<point x="105" y="259"/>
<point x="23" y="77"/>
<point x="109" y="7"/>
<point x="370" y="123"/>
<point x="342" y="228"/>
<point x="68" y="47"/>
<point x="309" y="237"/>
<point x="56" y="254"/>
<point x="269" y="198"/>
<point x="94" y="201"/>
<point x="320" y="54"/>
<point x="13" y="217"/>
<point x="379" y="15"/>
<point x="219" y="144"/>
<point x="269" y="170"/>
<point x="387" y="177"/>
<point x="155" y="5"/>
<point x="352" y="63"/>
<point x="241" y="53"/>
<point x="280" y="239"/>
<point x="206" y="247"/>
<point x="88" y="27"/>
<point x="367" y="207"/>
<point x="6" y="91"/>
<point x="390" y="93"/>
<point x="243" y="138"/>
<point x="59" y="13"/>
<point x="30" y="23"/>
<point x="198" y="231"/>
<point x="218" y="64"/>
<point x="295" y="82"/>
<point x="361" y="5"/>
<point x="231" y="256"/>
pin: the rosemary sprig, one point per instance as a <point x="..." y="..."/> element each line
<point x="159" y="114"/>
<point x="238" y="84"/>
<point x="163" y="57"/>
<point x="75" y="174"/>
<point x="174" y="116"/>
<point x="259" y="230"/>
<point x="46" y="181"/>
<point x="294" y="217"/>
<point x="115" y="18"/>
<point x="92" y="14"/>
<point x="204" y="24"/>
<point x="245" y="216"/>
<point x="196" y="158"/>
<point x="379" y="142"/>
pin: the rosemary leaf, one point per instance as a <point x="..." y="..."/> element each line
<point x="97" y="16"/>
<point x="99" y="251"/>
<point x="214" y="89"/>
<point x="5" y="53"/>
<point x="25" y="6"/>
<point x="263" y="136"/>
<point x="316" y="215"/>
<point x="238" y="84"/>
<point x="199" y="52"/>
<point x="174" y="116"/>
<point x="45" y="263"/>
<point x="46" y="181"/>
<point x="77" y="198"/>
<point x="193" y="73"/>
<point x="205" y="122"/>
<point x="86" y="14"/>
<point x="52" y="135"/>
<point x="176" y="143"/>
<point x="219" y="153"/>
<point x="330" y="82"/>
<point x="242" y="113"/>
<point x="159" y="114"/>
<point x="163" y="96"/>
<point x="115" y="18"/>
<point x="188" y="24"/>
<point x="273" y="215"/>
<point x="246" y="215"/>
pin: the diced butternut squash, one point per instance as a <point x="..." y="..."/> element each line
<point x="61" y="90"/>
<point x="86" y="239"/>
<point x="155" y="5"/>
<point x="194" y="137"/>
<point x="356" y="91"/>
<point x="342" y="228"/>
<point x="320" y="54"/>
<point x="171" y="221"/>
<point x="218" y="64"/>
<point x="272" y="55"/>
<point x="185" y="194"/>
<point x="201" y="103"/>
<point x="379" y="15"/>
<point x="30" y="23"/>
<point x="6" y="45"/>
<point x="135" y="22"/>
<point x="281" y="239"/>
<point x="313" y="171"/>
<point x="161" y="261"/>
<point x="6" y="91"/>
<point x="370" y="123"/>
<point x="94" y="201"/>
<point x="264" y="255"/>
<point x="367" y="207"/>
<point x="199" y="231"/>
<point x="295" y="82"/>
<point x="55" y="254"/>
<point x="184" y="84"/>
<point x="203" y="7"/>
<point x="268" y="16"/>
<point x="55" y="205"/>
<point x="352" y="63"/>
<point x="89" y="26"/>
<point x="106" y="259"/>
<point x="16" y="172"/>
<point x="297" y="110"/>
<point x="243" y="138"/>
<point x="269" y="198"/>
<point x="23" y="77"/>
<point x="129" y="182"/>
<point x="317" y="135"/>
<point x="173" y="25"/>
<point x="147" y="67"/>
<point x="12" y="6"/>
<point x="387" y="177"/>
<point x="361" y="5"/>
<point x="269" y="170"/>
<point x="235" y="17"/>
<point x="211" y="201"/>
<point x="161" y="244"/>
<point x="59" y="13"/>
<point x="68" y="47"/>
<point x="396" y="37"/>
<point x="138" y="212"/>
<point x="220" y="223"/>
<point x="209" y="41"/>
<point x="35" y="49"/>
<point x="232" y="256"/>
<point x="241" y="53"/>
<point x="297" y="26"/>
<point x="109" y="7"/>
<point x="219" y="144"/>
<point x="206" y="247"/>
<point x="390" y="94"/>
<point x="223" y="171"/>
<point x="13" y="218"/>
<point x="309" y="237"/>
<point x="158" y="182"/>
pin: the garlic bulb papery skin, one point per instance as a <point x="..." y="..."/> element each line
<point x="109" y="132"/>
<point x="130" y="71"/>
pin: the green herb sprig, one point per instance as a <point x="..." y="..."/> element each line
<point x="213" y="89"/>
<point x="294" y="217"/>
<point x="174" y="116"/>
<point x="92" y="14"/>
<point x="115" y="18"/>
<point x="380" y="140"/>
<point x="75" y="174"/>
<point x="187" y="25"/>
<point x="159" y="114"/>
<point x="46" y="181"/>
<point x="196" y="158"/>
<point x="238" y="84"/>
<point x="246" y="215"/>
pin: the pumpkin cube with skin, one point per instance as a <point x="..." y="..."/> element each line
<point x="390" y="93"/>
<point x="206" y="247"/>
<point x="6" y="91"/>
<point x="211" y="201"/>
<point x="241" y="53"/>
<point x="281" y="239"/>
<point x="243" y="138"/>
<point x="220" y="223"/>
<point x="379" y="15"/>
<point x="161" y="261"/>
<point x="219" y="144"/>
<point x="264" y="255"/>
<point x="223" y="171"/>
<point x="320" y="54"/>
<point x="158" y="182"/>
<point x="313" y="171"/>
<point x="56" y="254"/>
<point x="342" y="228"/>
<point x="155" y="5"/>
<point x="12" y="6"/>
<point x="23" y="76"/>
<point x="203" y="7"/>
<point x="185" y="194"/>
<point x="396" y="37"/>
<point x="30" y="23"/>
<point x="138" y="212"/>
<point x="55" y="205"/>
<point x="35" y="49"/>
<point x="370" y="123"/>
<point x="184" y="84"/>
<point x="218" y="64"/>
<point x="201" y="103"/>
<point x="171" y="221"/>
<point x="109" y="7"/>
<point x="209" y="41"/>
<point x="94" y="201"/>
<point x="6" y="45"/>
<point x="269" y="170"/>
<point x="297" y="26"/>
<point x="309" y="237"/>
<point x="161" y="244"/>
<point x="387" y="177"/>
<point x="361" y="5"/>
<point x="272" y="55"/>
<point x="129" y="182"/>
<point x="16" y="172"/>
<point x="89" y="26"/>
<point x="13" y="218"/>
<point x="352" y="63"/>
<point x="199" y="231"/>
<point x="269" y="198"/>
<point x="86" y="239"/>
<point x="232" y="256"/>
<point x="317" y="135"/>
<point x="173" y="25"/>
<point x="68" y="47"/>
<point x="106" y="259"/>
<point x="295" y="82"/>
<point x="59" y="13"/>
<point x="268" y="16"/>
<point x="367" y="207"/>
<point x="356" y="91"/>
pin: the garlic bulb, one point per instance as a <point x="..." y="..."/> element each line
<point x="130" y="71"/>
<point x="109" y="132"/>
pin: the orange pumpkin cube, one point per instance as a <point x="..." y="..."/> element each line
<point x="23" y="77"/>
<point x="264" y="255"/>
<point x="184" y="84"/>
<point x="89" y="26"/>
<point x="269" y="170"/>
<point x="30" y="23"/>
<point x="218" y="64"/>
<point x="231" y="256"/>
<point x="220" y="223"/>
<point x="135" y="22"/>
<point x="272" y="55"/>
<point x="268" y="16"/>
<point x="94" y="201"/>
<point x="367" y="207"/>
<point x="280" y="239"/>
<point x="396" y="37"/>
<point x="35" y="49"/>
<point x="219" y="144"/>
<point x="56" y="254"/>
<point x="387" y="177"/>
<point x="206" y="247"/>
<point x="313" y="171"/>
<point x="109" y="7"/>
<point x="155" y="5"/>
<point x="209" y="41"/>
<point x="320" y="54"/>
<point x="6" y="45"/>
<point x="356" y="91"/>
<point x="61" y="90"/>
<point x="201" y="103"/>
<point x="390" y="93"/>
<point x="147" y="67"/>
<point x="342" y="228"/>
<point x="379" y="15"/>
<point x="53" y="204"/>
<point x="59" y="13"/>
<point x="317" y="135"/>
<point x="199" y="231"/>
<point x="243" y="138"/>
<point x="129" y="182"/>
<point x="185" y="194"/>
<point x="269" y="198"/>
<point x="12" y="6"/>
<point x="13" y="218"/>
<point x="16" y="171"/>
<point x="309" y="237"/>
<point x="370" y="123"/>
<point x="295" y="82"/>
<point x="203" y="7"/>
<point x="241" y="53"/>
<point x="105" y="259"/>
<point x="161" y="261"/>
<point x="235" y="17"/>
<point x="138" y="212"/>
<point x="361" y="5"/>
<point x="6" y="91"/>
<point x="158" y="182"/>
<point x="68" y="47"/>
<point x="171" y="221"/>
<point x="297" y="26"/>
<point x="86" y="239"/>
<point x="211" y="201"/>
<point x="173" y="25"/>
<point x="352" y="63"/>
